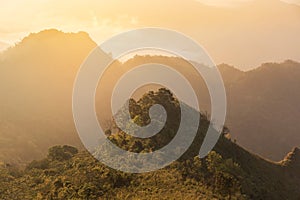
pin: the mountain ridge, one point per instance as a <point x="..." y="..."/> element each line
<point x="227" y="172"/>
<point x="46" y="33"/>
<point x="38" y="97"/>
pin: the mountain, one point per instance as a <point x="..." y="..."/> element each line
<point x="36" y="81"/>
<point x="262" y="104"/>
<point x="263" y="109"/>
<point x="228" y="172"/>
<point x="244" y="35"/>
<point x="37" y="77"/>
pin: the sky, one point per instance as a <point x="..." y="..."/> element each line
<point x="18" y="17"/>
<point x="237" y="2"/>
<point x="102" y="19"/>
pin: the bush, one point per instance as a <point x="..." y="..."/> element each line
<point x="61" y="153"/>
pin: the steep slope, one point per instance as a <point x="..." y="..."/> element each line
<point x="259" y="178"/>
<point x="262" y="104"/>
<point x="37" y="76"/>
<point x="228" y="172"/>
<point x="36" y="81"/>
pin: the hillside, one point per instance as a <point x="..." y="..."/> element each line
<point x="36" y="81"/>
<point x="37" y="78"/>
<point x="262" y="104"/>
<point x="82" y="177"/>
<point x="263" y="109"/>
<point x="228" y="172"/>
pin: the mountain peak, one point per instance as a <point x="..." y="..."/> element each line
<point x="50" y="40"/>
<point x="54" y="33"/>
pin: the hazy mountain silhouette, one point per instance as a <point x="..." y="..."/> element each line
<point x="263" y="110"/>
<point x="37" y="77"/>
<point x="36" y="81"/>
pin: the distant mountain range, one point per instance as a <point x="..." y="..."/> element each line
<point x="262" y="104"/>
<point x="245" y="35"/>
<point x="263" y="109"/>
<point x="36" y="82"/>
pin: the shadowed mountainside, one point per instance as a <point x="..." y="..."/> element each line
<point x="262" y="104"/>
<point x="228" y="172"/>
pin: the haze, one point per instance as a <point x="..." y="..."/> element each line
<point x="243" y="33"/>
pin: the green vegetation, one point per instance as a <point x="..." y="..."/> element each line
<point x="83" y="177"/>
<point x="228" y="172"/>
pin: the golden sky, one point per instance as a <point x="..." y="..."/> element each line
<point x="210" y="22"/>
<point x="237" y="2"/>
